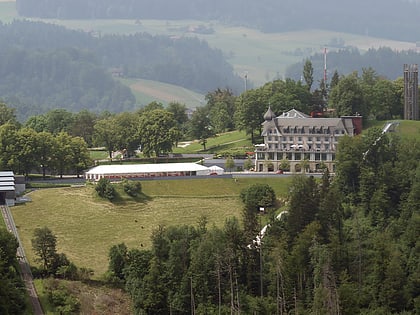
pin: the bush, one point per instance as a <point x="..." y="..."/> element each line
<point x="61" y="298"/>
<point x="132" y="188"/>
<point x="105" y="189"/>
<point x="258" y="195"/>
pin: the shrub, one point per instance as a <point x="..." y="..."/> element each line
<point x="132" y="188"/>
<point x="105" y="189"/>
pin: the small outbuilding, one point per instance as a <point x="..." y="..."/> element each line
<point x="117" y="172"/>
<point x="7" y="188"/>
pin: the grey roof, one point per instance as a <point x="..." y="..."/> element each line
<point x="294" y="113"/>
<point x="295" y="119"/>
<point x="269" y="115"/>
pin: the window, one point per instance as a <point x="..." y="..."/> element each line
<point x="290" y="138"/>
<point x="298" y="156"/>
<point x="271" y="155"/>
<point x="300" y="139"/>
<point x="326" y="139"/>
<point x="309" y="139"/>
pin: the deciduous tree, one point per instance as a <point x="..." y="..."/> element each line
<point x="44" y="245"/>
<point x="157" y="131"/>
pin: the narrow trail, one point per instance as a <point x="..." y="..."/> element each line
<point x="25" y="269"/>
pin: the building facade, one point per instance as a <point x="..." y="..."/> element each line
<point x="297" y="142"/>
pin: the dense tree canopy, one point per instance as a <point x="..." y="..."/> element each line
<point x="345" y="244"/>
<point x="12" y="290"/>
<point x="45" y="66"/>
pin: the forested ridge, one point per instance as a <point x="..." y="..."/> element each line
<point x="394" y="19"/>
<point x="44" y="66"/>
<point x="346" y="245"/>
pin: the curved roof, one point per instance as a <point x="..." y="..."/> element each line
<point x="269" y="115"/>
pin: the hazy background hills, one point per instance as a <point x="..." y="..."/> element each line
<point x="215" y="45"/>
<point x="395" y="19"/>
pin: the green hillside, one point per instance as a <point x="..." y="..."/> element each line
<point x="87" y="227"/>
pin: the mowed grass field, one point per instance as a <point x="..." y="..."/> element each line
<point x="147" y="91"/>
<point x="86" y="227"/>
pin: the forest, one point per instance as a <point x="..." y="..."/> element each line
<point x="393" y="19"/>
<point x="44" y="66"/>
<point x="346" y="244"/>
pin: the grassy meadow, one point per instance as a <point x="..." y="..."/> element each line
<point x="86" y="227"/>
<point x="147" y="91"/>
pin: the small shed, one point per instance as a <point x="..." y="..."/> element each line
<point x="7" y="188"/>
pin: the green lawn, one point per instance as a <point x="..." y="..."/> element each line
<point x="406" y="128"/>
<point x="87" y="227"/>
<point x="219" y="143"/>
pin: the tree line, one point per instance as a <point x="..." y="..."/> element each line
<point x="379" y="18"/>
<point x="26" y="150"/>
<point x="388" y="63"/>
<point x="342" y="245"/>
<point x="155" y="129"/>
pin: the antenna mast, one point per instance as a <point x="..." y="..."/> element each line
<point x="325" y="66"/>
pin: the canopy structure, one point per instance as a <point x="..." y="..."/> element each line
<point x="146" y="171"/>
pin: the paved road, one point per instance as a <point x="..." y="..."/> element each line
<point x="23" y="263"/>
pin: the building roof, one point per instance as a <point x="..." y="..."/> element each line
<point x="146" y="168"/>
<point x="294" y="113"/>
<point x="269" y="115"/>
<point x="7" y="179"/>
<point x="295" y="119"/>
<point x="6" y="174"/>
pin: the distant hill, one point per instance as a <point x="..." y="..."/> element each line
<point x="46" y="66"/>
<point x="395" y="19"/>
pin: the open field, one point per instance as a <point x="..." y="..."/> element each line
<point x="87" y="227"/>
<point x="406" y="128"/>
<point x="147" y="91"/>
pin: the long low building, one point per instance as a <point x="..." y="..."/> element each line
<point x="146" y="171"/>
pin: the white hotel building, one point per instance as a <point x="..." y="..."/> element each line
<point x="295" y="137"/>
